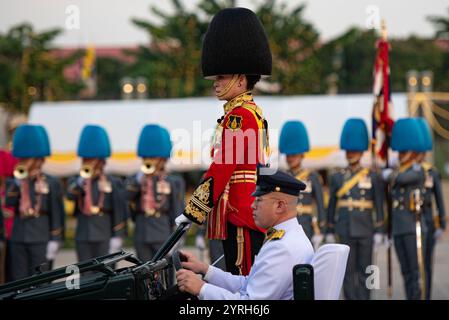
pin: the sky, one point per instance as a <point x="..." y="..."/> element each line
<point x="107" y="22"/>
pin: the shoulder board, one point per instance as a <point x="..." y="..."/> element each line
<point x="278" y="234"/>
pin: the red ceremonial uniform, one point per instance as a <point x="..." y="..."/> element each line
<point x="224" y="195"/>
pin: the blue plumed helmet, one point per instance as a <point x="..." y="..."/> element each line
<point x="354" y="136"/>
<point x="294" y="138"/>
<point x="407" y="135"/>
<point x="425" y="130"/>
<point x="154" y="141"/>
<point x="94" y="143"/>
<point x="29" y="142"/>
<point x="45" y="139"/>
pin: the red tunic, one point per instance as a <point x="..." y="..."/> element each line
<point x="224" y="194"/>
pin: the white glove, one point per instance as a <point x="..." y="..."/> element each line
<point x="139" y="176"/>
<point x="115" y="244"/>
<point x="330" y="238"/>
<point x="181" y="219"/>
<point x="388" y="242"/>
<point x="317" y="239"/>
<point x="200" y="244"/>
<point x="80" y="181"/>
<point x="378" y="239"/>
<point x="438" y="234"/>
<point x="386" y="174"/>
<point x="52" y="249"/>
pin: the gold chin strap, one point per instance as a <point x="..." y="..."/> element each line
<point x="354" y="160"/>
<point x="229" y="86"/>
<point x="407" y="158"/>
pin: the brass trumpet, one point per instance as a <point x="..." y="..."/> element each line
<point x="148" y="167"/>
<point x="86" y="171"/>
<point x="20" y="172"/>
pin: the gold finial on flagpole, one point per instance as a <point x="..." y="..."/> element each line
<point x="383" y="30"/>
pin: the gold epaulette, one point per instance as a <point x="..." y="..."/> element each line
<point x="273" y="234"/>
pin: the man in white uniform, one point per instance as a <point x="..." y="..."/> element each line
<point x="286" y="245"/>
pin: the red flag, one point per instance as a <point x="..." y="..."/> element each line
<point x="383" y="107"/>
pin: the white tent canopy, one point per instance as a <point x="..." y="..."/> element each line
<point x="191" y="123"/>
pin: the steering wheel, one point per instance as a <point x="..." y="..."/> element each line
<point x="173" y="292"/>
<point x="177" y="257"/>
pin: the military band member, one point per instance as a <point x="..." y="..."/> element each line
<point x="235" y="55"/>
<point x="407" y="183"/>
<point x="355" y="195"/>
<point x="100" y="206"/>
<point x="294" y="142"/>
<point x="155" y="197"/>
<point x="286" y="245"/>
<point x="37" y="202"/>
<point x="432" y="190"/>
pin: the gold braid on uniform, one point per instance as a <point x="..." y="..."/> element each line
<point x="238" y="101"/>
<point x="201" y="202"/>
<point x="273" y="234"/>
<point x="240" y="248"/>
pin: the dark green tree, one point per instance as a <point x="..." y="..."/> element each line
<point x="414" y="53"/>
<point x="294" y="44"/>
<point x="109" y="73"/>
<point x="172" y="60"/>
<point x="29" y="71"/>
<point x="441" y="24"/>
<point x="350" y="57"/>
<point x="441" y="76"/>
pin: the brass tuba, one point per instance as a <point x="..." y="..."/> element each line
<point x="148" y="166"/>
<point x="86" y="171"/>
<point x="20" y="172"/>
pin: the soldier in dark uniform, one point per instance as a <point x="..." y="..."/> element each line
<point x="54" y="246"/>
<point x="432" y="189"/>
<point x="294" y="142"/>
<point x="155" y="197"/>
<point x="355" y="194"/>
<point x="407" y="183"/>
<point x="100" y="205"/>
<point x="37" y="202"/>
<point x="235" y="55"/>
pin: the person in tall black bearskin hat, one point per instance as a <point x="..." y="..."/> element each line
<point x="235" y="55"/>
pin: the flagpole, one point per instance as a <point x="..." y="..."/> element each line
<point x="382" y="122"/>
<point x="388" y="186"/>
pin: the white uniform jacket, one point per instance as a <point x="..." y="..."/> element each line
<point x="271" y="276"/>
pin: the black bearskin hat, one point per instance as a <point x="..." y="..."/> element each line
<point x="236" y="43"/>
